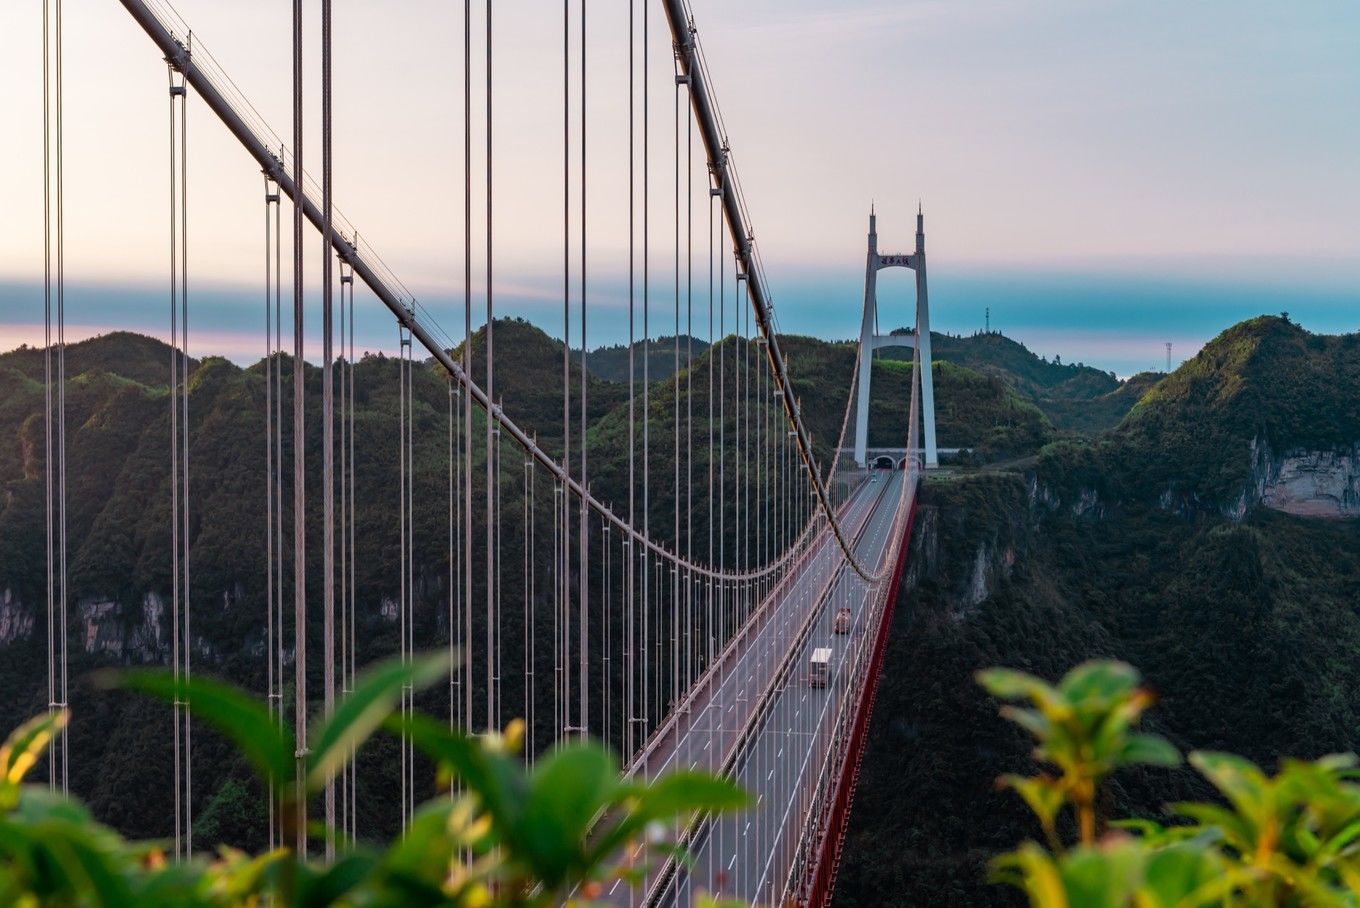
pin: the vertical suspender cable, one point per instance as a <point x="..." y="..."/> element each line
<point x="174" y="471"/>
<point x="712" y="340"/>
<point x="278" y="464"/>
<point x="347" y="640"/>
<point x="50" y="514"/>
<point x="563" y="536"/>
<point x="647" y="673"/>
<point x="61" y="400"/>
<point x="583" y="625"/>
<point x="327" y="412"/>
<point x="500" y="637"/>
<point x="557" y="525"/>
<point x="490" y="396"/>
<point x="467" y="362"/>
<point x="271" y="199"/>
<point x="299" y="451"/>
<point x="403" y="594"/>
<point x="187" y="647"/>
<point x="629" y="657"/>
<point x="268" y="501"/>
<point x="452" y="616"/>
<point x="689" y="391"/>
<point x="527" y="580"/>
<point x="174" y="475"/>
<point x="54" y="455"/>
<point x="353" y="574"/>
<point x="675" y="418"/>
<point x="408" y="507"/>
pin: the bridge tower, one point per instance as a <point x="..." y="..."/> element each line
<point x="871" y="341"/>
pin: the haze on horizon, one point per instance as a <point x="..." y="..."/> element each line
<point x="1105" y="176"/>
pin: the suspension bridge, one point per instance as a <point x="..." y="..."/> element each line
<point x="707" y="585"/>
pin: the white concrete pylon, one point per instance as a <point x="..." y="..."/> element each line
<point x="870" y="341"/>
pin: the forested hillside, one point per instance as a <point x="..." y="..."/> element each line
<point x="1154" y="545"/>
<point x="1074" y="397"/>
<point x="119" y="525"/>
<point x="1155" y="542"/>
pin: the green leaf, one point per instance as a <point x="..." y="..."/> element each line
<point x="236" y="715"/>
<point x="1031" y="720"/>
<point x="1239" y="780"/>
<point x="1044" y="796"/>
<point x="1008" y="684"/>
<point x="567" y="790"/>
<point x="357" y="716"/>
<point x="1153" y="750"/>
<point x="22" y="749"/>
<point x="1032" y="870"/>
<point x="1180" y="874"/>
<point x="497" y="780"/>
<point x="1100" y="680"/>
<point x="336" y="881"/>
<point x="688" y="792"/>
<point x="1102" y="877"/>
<point x="678" y="794"/>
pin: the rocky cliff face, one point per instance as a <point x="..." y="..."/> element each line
<point x="16" y="619"/>
<point x="109" y="629"/>
<point x="963" y="562"/>
<point x="100" y="625"/>
<point x="1309" y="483"/>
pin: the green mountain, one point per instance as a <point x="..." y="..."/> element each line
<point x="1035" y="377"/>
<point x="1173" y="542"/>
<point x="120" y="595"/>
<point x="656" y="359"/>
<point x="1074" y="397"/>
<point x="1091" y="416"/>
<point x="1222" y="430"/>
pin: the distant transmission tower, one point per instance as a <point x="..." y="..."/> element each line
<point x="1168" y="356"/>
<point x="989" y="321"/>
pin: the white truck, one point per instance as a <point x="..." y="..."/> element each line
<point x="820" y="669"/>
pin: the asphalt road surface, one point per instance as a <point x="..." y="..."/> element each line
<point x="748" y="856"/>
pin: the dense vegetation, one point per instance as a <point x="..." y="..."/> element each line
<point x="655" y="359"/>
<point x="502" y="837"/>
<point x="119" y="551"/>
<point x="1246" y="624"/>
<point x="1138" y="544"/>
<point x="1286" y="840"/>
<point x="1091" y="416"/>
<point x="1074" y="396"/>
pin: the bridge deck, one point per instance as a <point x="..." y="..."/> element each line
<point x="787" y="745"/>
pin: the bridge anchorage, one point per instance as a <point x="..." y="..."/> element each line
<point x="870" y="340"/>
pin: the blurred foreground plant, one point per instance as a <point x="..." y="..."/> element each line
<point x="1291" y="839"/>
<point x="508" y="837"/>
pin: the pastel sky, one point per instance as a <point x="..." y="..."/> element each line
<point x="1104" y="175"/>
